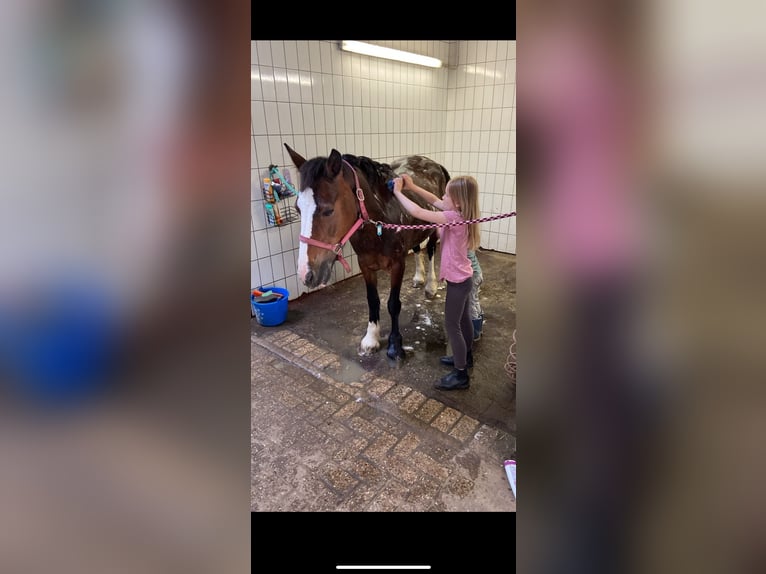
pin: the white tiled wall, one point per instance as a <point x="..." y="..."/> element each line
<point x="313" y="96"/>
<point x="480" y="132"/>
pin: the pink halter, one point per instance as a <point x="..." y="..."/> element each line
<point x="359" y="222"/>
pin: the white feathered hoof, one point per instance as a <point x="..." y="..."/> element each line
<point x="368" y="348"/>
<point x="370" y="343"/>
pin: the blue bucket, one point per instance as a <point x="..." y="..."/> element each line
<point x="272" y="313"/>
<point x="62" y="350"/>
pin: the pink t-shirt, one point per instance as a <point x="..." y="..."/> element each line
<point x="579" y="108"/>
<point x="455" y="265"/>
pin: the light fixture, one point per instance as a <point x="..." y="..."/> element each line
<point x="389" y="53"/>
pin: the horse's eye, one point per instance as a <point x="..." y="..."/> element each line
<point x="328" y="212"/>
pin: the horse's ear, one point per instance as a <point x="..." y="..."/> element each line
<point x="298" y="160"/>
<point x="333" y="162"/>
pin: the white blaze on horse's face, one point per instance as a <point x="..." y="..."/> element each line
<point x="307" y="206"/>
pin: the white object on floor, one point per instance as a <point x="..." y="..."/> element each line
<point x="510" y="470"/>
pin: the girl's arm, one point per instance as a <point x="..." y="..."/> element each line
<point x="414" y="209"/>
<point x="425" y="194"/>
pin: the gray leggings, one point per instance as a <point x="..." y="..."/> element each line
<point x="457" y="320"/>
<point x="476" y="311"/>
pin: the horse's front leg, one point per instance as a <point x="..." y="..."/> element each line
<point x="395" y="350"/>
<point x="370" y="342"/>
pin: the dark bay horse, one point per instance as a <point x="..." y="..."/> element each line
<point x="339" y="197"/>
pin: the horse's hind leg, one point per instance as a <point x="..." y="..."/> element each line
<point x="420" y="273"/>
<point x="431" y="282"/>
<point x="395" y="350"/>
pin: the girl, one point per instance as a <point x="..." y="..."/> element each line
<point x="460" y="203"/>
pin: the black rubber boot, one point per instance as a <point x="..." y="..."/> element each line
<point x="450" y="360"/>
<point x="455" y="380"/>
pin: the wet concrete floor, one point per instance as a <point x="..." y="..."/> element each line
<point x="336" y="318"/>
<point x="335" y="431"/>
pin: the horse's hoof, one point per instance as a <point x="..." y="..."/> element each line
<point x="368" y="351"/>
<point x="368" y="346"/>
<point x="416" y="283"/>
<point x="394" y="353"/>
<point x="430" y="294"/>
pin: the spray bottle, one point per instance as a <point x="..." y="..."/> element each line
<point x="268" y="193"/>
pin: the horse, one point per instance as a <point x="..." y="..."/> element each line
<point x="342" y="197"/>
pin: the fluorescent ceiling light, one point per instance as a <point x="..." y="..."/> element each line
<point x="389" y="53"/>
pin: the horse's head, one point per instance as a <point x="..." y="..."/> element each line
<point x="328" y="208"/>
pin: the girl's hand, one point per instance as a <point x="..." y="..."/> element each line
<point x="407" y="181"/>
<point x="398" y="185"/>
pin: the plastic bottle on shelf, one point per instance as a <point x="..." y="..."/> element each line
<point x="288" y="181"/>
<point x="276" y="187"/>
<point x="270" y="217"/>
<point x="268" y="193"/>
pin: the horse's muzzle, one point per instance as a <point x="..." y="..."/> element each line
<point x="319" y="277"/>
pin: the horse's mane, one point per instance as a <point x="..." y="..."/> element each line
<point x="376" y="173"/>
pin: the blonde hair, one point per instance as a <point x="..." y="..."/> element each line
<point x="464" y="191"/>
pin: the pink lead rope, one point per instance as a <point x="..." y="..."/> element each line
<point x="398" y="227"/>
